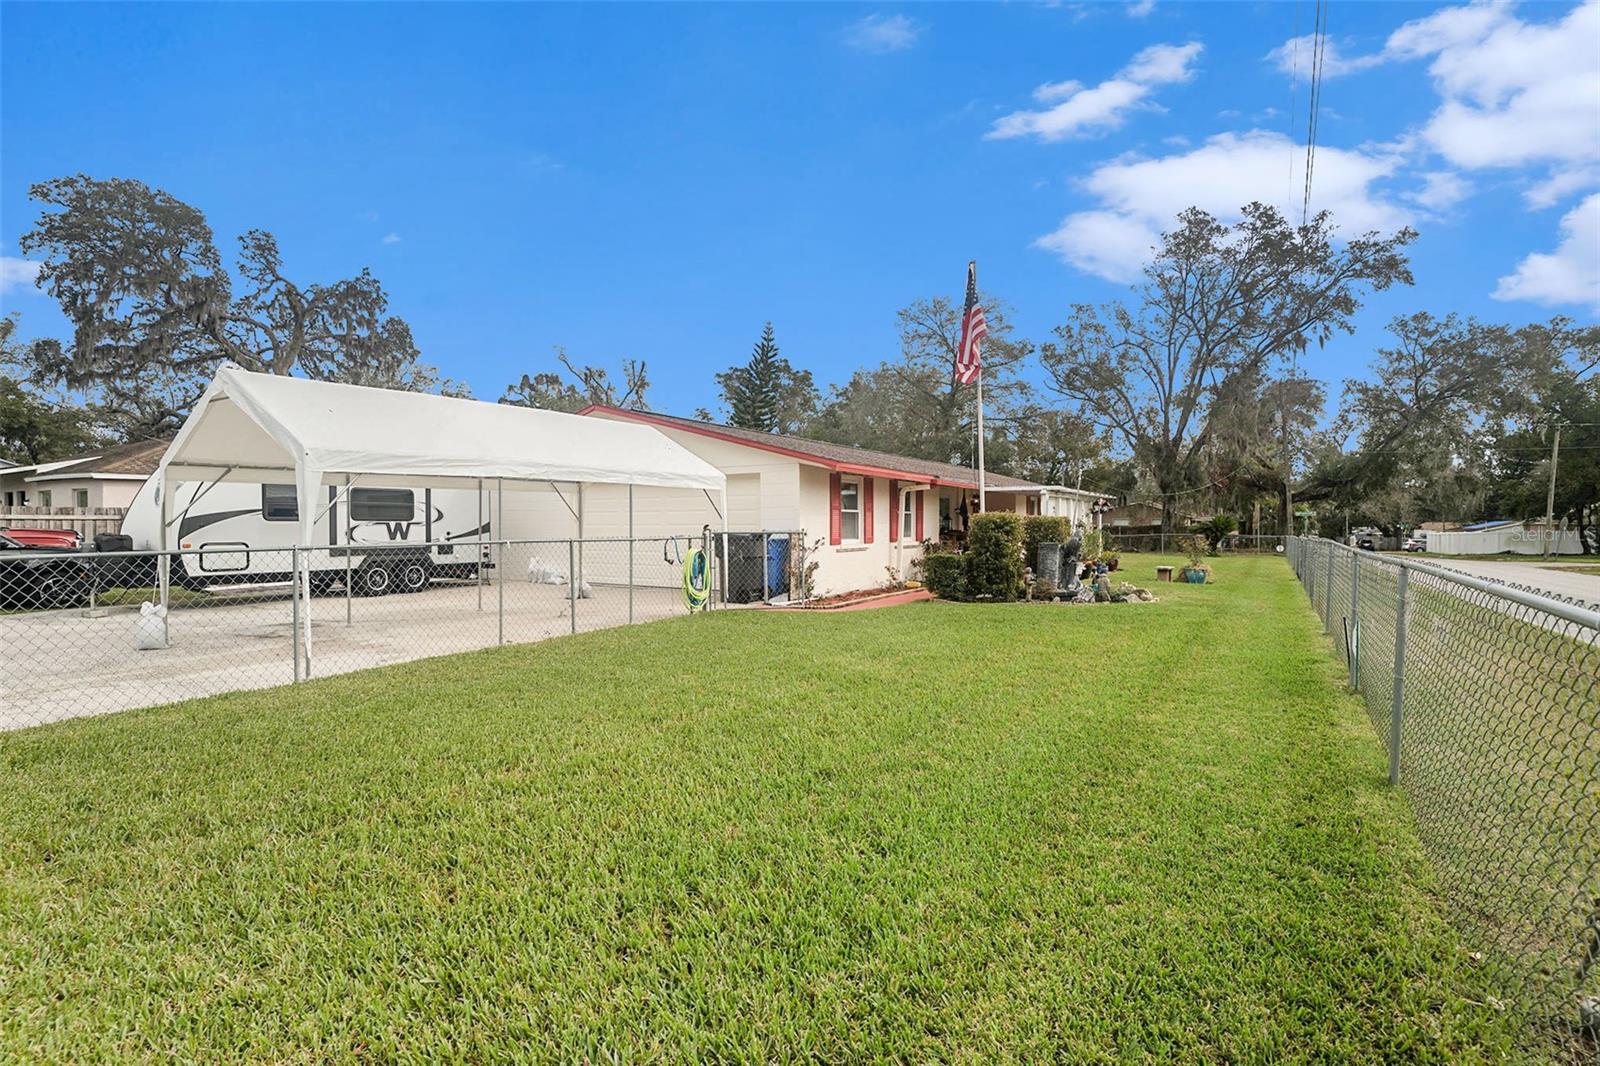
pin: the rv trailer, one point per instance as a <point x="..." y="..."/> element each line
<point x="239" y="533"/>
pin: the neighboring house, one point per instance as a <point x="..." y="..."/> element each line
<point x="105" y="478"/>
<point x="1139" y="516"/>
<point x="871" y="510"/>
<point x="1503" y="536"/>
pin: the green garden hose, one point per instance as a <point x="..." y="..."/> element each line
<point x="696" y="580"/>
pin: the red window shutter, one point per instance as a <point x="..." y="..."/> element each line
<point x="835" y="531"/>
<point x="894" y="510"/>
<point x="919" y="505"/>
<point x="866" y="509"/>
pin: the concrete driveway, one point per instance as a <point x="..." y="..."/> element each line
<point x="71" y="663"/>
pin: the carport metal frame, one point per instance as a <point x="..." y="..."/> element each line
<point x="301" y="574"/>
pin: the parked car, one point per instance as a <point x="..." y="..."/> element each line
<point x="36" y="578"/>
<point x="1367" y="544"/>
<point x="1414" y="544"/>
<point x="45" y="538"/>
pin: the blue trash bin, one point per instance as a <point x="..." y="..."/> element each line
<point x="777" y="566"/>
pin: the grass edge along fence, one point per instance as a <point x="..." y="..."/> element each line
<point x="1487" y="698"/>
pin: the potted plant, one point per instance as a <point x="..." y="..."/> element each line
<point x="1110" y="557"/>
<point x="1195" y="571"/>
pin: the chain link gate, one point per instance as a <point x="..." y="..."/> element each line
<point x="1487" y="697"/>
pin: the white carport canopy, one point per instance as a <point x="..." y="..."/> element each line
<point x="261" y="427"/>
<point x="258" y="427"/>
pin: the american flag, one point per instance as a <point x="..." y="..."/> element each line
<point x="969" y="360"/>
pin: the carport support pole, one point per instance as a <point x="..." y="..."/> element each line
<point x="1399" y="675"/>
<point x="580" y="531"/>
<point x="349" y="575"/>
<point x="164" y="563"/>
<point x="500" y="554"/>
<point x="631" y="552"/>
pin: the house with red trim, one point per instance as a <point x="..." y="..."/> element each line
<point x="870" y="510"/>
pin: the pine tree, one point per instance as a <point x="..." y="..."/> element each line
<point x="754" y="391"/>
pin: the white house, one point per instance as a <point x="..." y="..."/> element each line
<point x="108" y="477"/>
<point x="871" y="511"/>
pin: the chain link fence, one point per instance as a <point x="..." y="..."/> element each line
<point x="1487" y="698"/>
<point x="83" y="635"/>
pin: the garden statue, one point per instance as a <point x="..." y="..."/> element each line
<point x="1070" y="551"/>
<point x="1047" y="567"/>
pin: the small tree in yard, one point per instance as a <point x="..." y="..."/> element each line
<point x="994" y="556"/>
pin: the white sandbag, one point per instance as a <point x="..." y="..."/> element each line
<point x="585" y="590"/>
<point x="544" y="574"/>
<point x="150" y="633"/>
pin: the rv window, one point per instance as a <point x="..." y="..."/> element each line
<point x="278" y="503"/>
<point x="381" y="505"/>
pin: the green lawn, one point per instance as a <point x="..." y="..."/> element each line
<point x="1123" y="832"/>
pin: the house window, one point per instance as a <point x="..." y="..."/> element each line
<point x="908" y="516"/>
<point x="850" y="510"/>
<point x="382" y="505"/>
<point x="80" y="498"/>
<point x="44" y="497"/>
<point x="279" y="504"/>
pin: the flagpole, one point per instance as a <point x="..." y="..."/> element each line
<point x="983" y="494"/>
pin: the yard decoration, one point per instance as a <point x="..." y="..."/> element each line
<point x="1038" y="530"/>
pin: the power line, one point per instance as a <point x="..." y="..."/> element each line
<point x="1319" y="51"/>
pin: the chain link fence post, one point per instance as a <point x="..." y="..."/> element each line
<point x="572" y="583"/>
<point x="294" y="611"/>
<point x="1327" y="592"/>
<point x="1397" y="706"/>
<point x="1355" y="622"/>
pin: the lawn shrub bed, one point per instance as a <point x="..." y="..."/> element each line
<point x="994" y="556"/>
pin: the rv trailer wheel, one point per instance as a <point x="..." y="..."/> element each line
<point x="374" y="580"/>
<point x="413" y="576"/>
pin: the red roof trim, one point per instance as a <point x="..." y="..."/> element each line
<point x="792" y="453"/>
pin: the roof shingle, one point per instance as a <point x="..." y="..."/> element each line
<point x="823" y="452"/>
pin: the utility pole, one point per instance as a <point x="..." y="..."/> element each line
<point x="1550" y="495"/>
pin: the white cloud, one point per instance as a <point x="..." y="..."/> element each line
<point x="1138" y="9"/>
<point x="17" y="273"/>
<point x="1441" y="190"/>
<point x="1514" y="93"/>
<point x="1561" y="184"/>
<point x="1293" y="57"/>
<point x="1570" y="274"/>
<point x="1078" y="109"/>
<point x="1138" y="198"/>
<point x="881" y="34"/>
<point x="391" y="238"/>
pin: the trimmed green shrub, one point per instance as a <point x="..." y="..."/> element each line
<point x="945" y="575"/>
<point x="994" y="556"/>
<point x="1040" y="529"/>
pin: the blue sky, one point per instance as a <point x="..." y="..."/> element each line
<point x="657" y="181"/>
